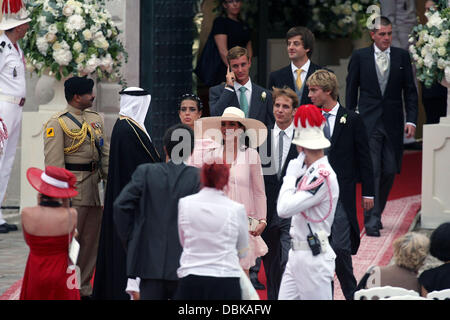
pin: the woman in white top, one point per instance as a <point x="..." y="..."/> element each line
<point x="213" y="232"/>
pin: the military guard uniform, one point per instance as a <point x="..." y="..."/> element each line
<point x="74" y="139"/>
<point x="312" y="204"/>
<point x="12" y="95"/>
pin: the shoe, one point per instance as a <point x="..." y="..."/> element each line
<point x="257" y="285"/>
<point x="11" y="227"/>
<point x="413" y="146"/>
<point x="4" y="228"/>
<point x="372" y="233"/>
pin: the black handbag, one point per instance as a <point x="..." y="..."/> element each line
<point x="209" y="63"/>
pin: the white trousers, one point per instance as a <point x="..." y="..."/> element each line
<point x="12" y="116"/>
<point x="308" y="277"/>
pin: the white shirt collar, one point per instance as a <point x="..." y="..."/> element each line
<point x="305" y="67"/>
<point x="334" y="111"/>
<point x="248" y="85"/>
<point x="289" y="131"/>
<point x="388" y="50"/>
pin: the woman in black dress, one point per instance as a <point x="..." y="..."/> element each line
<point x="230" y="31"/>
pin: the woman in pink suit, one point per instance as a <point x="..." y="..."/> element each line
<point x="246" y="183"/>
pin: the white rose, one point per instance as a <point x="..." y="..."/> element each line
<point x="87" y="35"/>
<point x="53" y="28"/>
<point x="101" y="43"/>
<point x="42" y="45"/>
<point x="107" y="63"/>
<point x="77" y="46"/>
<point x="92" y="64"/>
<point x="56" y="46"/>
<point x="62" y="57"/>
<point x="80" y="59"/>
<point x="68" y="10"/>
<point x="434" y="20"/>
<point x="75" y="23"/>
<point x="50" y="37"/>
<point x="442" y="51"/>
<point x="428" y="61"/>
<point x="441" y="63"/>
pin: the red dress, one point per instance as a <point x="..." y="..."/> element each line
<point x="46" y="274"/>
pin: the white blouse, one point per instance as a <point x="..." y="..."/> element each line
<point x="213" y="232"/>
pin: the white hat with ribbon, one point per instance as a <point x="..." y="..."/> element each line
<point x="209" y="127"/>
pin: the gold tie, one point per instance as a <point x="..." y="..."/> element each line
<point x="299" y="79"/>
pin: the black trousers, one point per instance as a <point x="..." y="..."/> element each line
<point x="384" y="170"/>
<point x="193" y="287"/>
<point x="156" y="289"/>
<point x="278" y="241"/>
<point x="341" y="243"/>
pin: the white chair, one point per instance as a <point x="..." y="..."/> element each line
<point x="406" y="297"/>
<point x="383" y="292"/>
<point x="439" y="295"/>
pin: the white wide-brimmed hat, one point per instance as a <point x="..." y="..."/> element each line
<point x="14" y="14"/>
<point x="309" y="123"/>
<point x="210" y="127"/>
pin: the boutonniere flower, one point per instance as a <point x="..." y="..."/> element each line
<point x="343" y="119"/>
<point x="263" y="96"/>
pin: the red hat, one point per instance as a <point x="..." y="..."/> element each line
<point x="55" y="182"/>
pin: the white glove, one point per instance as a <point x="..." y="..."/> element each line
<point x="296" y="166"/>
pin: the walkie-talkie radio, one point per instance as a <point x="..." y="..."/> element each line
<point x="313" y="242"/>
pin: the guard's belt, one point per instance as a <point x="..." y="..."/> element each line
<point x="91" y="167"/>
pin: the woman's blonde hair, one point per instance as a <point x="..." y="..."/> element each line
<point x="410" y="250"/>
<point x="326" y="80"/>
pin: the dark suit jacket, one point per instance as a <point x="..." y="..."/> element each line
<point x="372" y="105"/>
<point x="271" y="181"/>
<point x="146" y="218"/>
<point x="284" y="77"/>
<point x="349" y="156"/>
<point x="221" y="98"/>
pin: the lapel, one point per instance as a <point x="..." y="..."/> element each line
<point x="305" y="99"/>
<point x="372" y="69"/>
<point x="255" y="102"/>
<point x="289" y="77"/>
<point x="293" y="153"/>
<point x="395" y="63"/>
<point x="337" y="126"/>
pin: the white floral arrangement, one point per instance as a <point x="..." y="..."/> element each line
<point x="339" y="18"/>
<point x="73" y="37"/>
<point x="430" y="47"/>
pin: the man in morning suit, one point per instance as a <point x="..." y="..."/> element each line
<point x="349" y="157"/>
<point x="146" y="216"/>
<point x="240" y="91"/>
<point x="300" y="46"/>
<point x="384" y="77"/>
<point x="280" y="150"/>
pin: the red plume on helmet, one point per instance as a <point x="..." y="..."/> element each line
<point x="11" y="6"/>
<point x="311" y="113"/>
